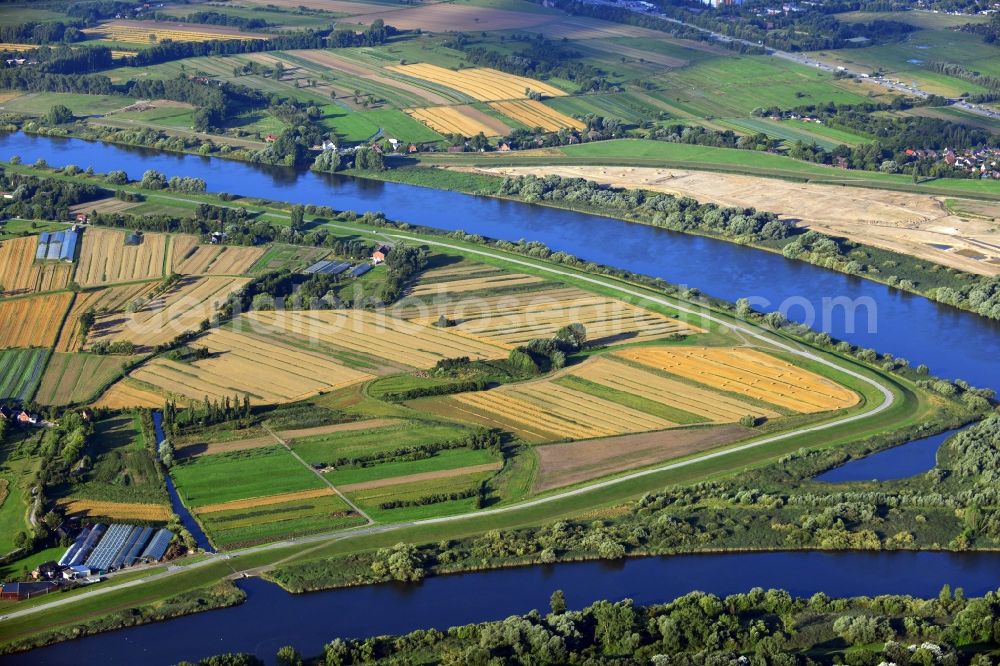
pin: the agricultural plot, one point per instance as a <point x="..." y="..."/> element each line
<point x="103" y="300"/>
<point x="464" y="120"/>
<point x="376" y="335"/>
<point x="735" y="86"/>
<point x="292" y="257"/>
<point x="266" y="370"/>
<point x="750" y="373"/>
<point x="127" y="394"/>
<point x="140" y="32"/>
<point x="182" y="308"/>
<point x="783" y="130"/>
<point x="480" y="83"/>
<point x="545" y="410"/>
<point x="325" y="449"/>
<point x="108" y="205"/>
<point x="459" y="283"/>
<point x="350" y="75"/>
<point x="105" y="258"/>
<point x="78" y="378"/>
<point x="189" y="257"/>
<point x="645" y="389"/>
<point x="450" y="17"/>
<point x="533" y="114"/>
<point x="120" y="511"/>
<point x="514" y="319"/>
<point x="371" y="500"/>
<point x="443" y="465"/>
<point x="20" y="372"/>
<point x="33" y="321"/>
<point x="575" y="462"/>
<point x="247" y="475"/>
<point x="21" y="274"/>
<point x="311" y="512"/>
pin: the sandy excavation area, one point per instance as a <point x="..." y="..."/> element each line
<point x="913" y="224"/>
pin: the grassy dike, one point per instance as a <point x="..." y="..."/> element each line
<point x="97" y="608"/>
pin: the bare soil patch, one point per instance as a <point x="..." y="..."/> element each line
<point x="566" y="464"/>
<point x="912" y="224"/>
<point x="210" y="448"/>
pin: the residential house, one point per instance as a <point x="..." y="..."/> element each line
<point x="46" y="570"/>
<point x="28" y="418"/>
<point x="412" y="148"/>
<point x="380" y="254"/>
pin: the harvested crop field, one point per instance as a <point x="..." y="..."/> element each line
<point x="604" y="375"/>
<point x="458" y="283"/>
<point x="480" y="83"/>
<point x="463" y="120"/>
<point x="514" y="319"/>
<point x="543" y="409"/>
<point x="267" y="500"/>
<point x="367" y="424"/>
<point x="574" y="462"/>
<point x="105" y="299"/>
<point x="182" y="308"/>
<point x="266" y="370"/>
<point x="115" y="510"/>
<point x="105" y="258"/>
<point x="138" y="32"/>
<point x="32" y="321"/>
<point x="376" y="334"/>
<point x="535" y="114"/>
<point x="748" y="372"/>
<point x="449" y="17"/>
<point x="127" y="394"/>
<point x="904" y="222"/>
<point x="329" y="60"/>
<point x="188" y="256"/>
<point x="108" y="205"/>
<point x="20" y="274"/>
<point x="77" y="378"/>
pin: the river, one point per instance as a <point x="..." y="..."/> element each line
<point x="953" y="343"/>
<point x="899" y="462"/>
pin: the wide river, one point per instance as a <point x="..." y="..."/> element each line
<point x="951" y="342"/>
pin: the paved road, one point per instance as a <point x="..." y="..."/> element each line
<point x="888" y="399"/>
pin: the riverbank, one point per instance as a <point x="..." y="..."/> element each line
<point x="905" y="272"/>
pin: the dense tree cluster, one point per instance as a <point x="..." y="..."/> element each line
<point x="33" y="32"/>
<point x="45" y="199"/>
<point x="215" y="18"/>
<point x="662" y="210"/>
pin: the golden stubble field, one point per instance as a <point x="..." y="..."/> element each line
<point x="480" y="83"/>
<point x="462" y="119"/>
<point x="32" y="321"/>
<point x="115" y="510"/>
<point x="513" y="319"/>
<point x="376" y="335"/>
<point x="163" y="318"/>
<point x="748" y="372"/>
<point x="266" y="370"/>
<point x="102" y="300"/>
<point x="106" y="259"/>
<point x="189" y="257"/>
<point x="20" y="273"/>
<point x="535" y="114"/>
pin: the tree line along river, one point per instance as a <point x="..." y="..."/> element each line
<point x="953" y="343"/>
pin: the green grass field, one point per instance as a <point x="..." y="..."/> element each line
<point x="442" y="460"/>
<point x="371" y="499"/>
<point x="794" y="130"/>
<point x="324" y="449"/>
<point x="38" y="104"/>
<point x="251" y="526"/>
<point x="123" y="469"/>
<point x="232" y="476"/>
<point x="20" y="372"/>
